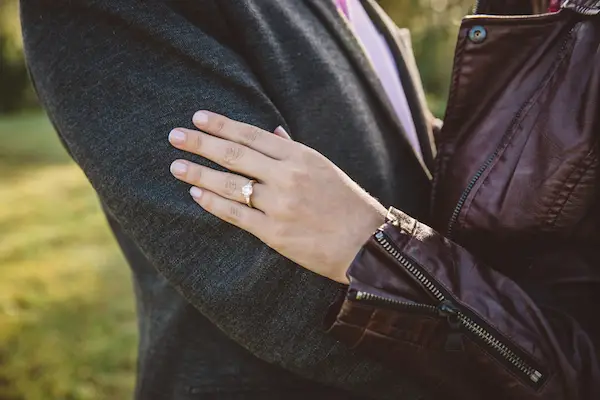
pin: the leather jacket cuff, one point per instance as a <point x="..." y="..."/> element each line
<point x="418" y="297"/>
<point x="369" y="273"/>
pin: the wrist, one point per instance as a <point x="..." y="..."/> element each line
<point x="365" y="227"/>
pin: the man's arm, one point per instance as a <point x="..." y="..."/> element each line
<point x="116" y="77"/>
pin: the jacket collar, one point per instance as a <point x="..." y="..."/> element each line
<point x="586" y="7"/>
<point x="327" y="11"/>
<point x="409" y="78"/>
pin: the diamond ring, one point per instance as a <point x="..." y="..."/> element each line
<point x="247" y="191"/>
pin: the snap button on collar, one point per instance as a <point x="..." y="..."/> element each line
<point x="477" y="34"/>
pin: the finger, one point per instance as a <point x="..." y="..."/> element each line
<point x="282" y="133"/>
<point x="224" y="184"/>
<point x="239" y="132"/>
<point x="226" y="153"/>
<point x="243" y="217"/>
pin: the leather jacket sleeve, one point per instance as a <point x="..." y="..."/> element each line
<point x="427" y="305"/>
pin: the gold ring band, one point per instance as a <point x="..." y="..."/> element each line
<point x="247" y="191"/>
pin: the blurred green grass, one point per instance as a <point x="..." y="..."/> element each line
<point x="67" y="321"/>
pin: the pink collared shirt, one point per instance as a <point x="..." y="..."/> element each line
<point x="383" y="62"/>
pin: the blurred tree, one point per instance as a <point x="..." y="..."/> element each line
<point x="434" y="26"/>
<point x="15" y="90"/>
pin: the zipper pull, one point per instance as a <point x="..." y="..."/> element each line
<point x="454" y="340"/>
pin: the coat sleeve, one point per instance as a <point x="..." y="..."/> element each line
<point x="115" y="77"/>
<point x="422" y="302"/>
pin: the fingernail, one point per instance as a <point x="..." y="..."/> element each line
<point x="179" y="168"/>
<point x="281" y="132"/>
<point x="177" y="137"/>
<point x="200" y="118"/>
<point x="196" y="192"/>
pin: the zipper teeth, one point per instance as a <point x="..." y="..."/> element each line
<point x="360" y="295"/>
<point x="533" y="374"/>
<point x="467" y="191"/>
<point x="409" y="266"/>
<point x="502" y="349"/>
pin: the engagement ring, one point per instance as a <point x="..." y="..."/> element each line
<point x="247" y="191"/>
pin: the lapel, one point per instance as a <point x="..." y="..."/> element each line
<point x="409" y="76"/>
<point x="339" y="28"/>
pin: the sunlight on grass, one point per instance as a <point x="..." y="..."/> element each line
<point x="67" y="322"/>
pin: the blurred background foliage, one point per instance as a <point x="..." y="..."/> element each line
<point x="67" y="320"/>
<point x="15" y="90"/>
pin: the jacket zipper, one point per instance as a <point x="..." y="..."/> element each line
<point x="503" y="143"/>
<point x="374" y="299"/>
<point x="444" y="309"/>
<point x="475" y="178"/>
<point x="459" y="318"/>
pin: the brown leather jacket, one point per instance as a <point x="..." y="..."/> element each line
<point x="517" y="183"/>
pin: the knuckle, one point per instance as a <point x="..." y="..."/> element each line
<point x="220" y="126"/>
<point x="233" y="154"/>
<point x="278" y="234"/>
<point x="231" y="185"/>
<point x="206" y="201"/>
<point x="197" y="143"/>
<point x="286" y="205"/>
<point x="234" y="213"/>
<point x="296" y="177"/>
<point x="310" y="157"/>
<point x="250" y="135"/>
<point x="195" y="174"/>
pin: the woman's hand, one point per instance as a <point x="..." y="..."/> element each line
<point x="305" y="207"/>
